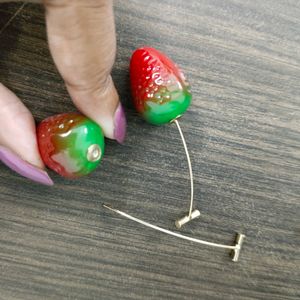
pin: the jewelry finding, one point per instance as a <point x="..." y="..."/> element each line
<point x="235" y="250"/>
<point x="93" y="153"/>
<point x="193" y="214"/>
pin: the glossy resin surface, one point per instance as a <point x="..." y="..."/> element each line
<point x="159" y="89"/>
<point x="70" y="144"/>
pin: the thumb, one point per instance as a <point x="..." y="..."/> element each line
<point x="82" y="42"/>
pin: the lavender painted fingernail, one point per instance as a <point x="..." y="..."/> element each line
<point x="120" y="124"/>
<point x="24" y="168"/>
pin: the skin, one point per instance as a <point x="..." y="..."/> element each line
<point x="81" y="36"/>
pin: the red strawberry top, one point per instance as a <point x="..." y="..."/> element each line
<point x="158" y="86"/>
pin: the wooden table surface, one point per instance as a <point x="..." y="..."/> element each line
<point x="243" y="131"/>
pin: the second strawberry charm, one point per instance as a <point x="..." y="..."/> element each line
<point x="70" y="144"/>
<point x="159" y="89"/>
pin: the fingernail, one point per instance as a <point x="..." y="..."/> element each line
<point x="120" y="124"/>
<point x="24" y="168"/>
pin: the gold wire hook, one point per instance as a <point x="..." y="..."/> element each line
<point x="192" y="214"/>
<point x="235" y="250"/>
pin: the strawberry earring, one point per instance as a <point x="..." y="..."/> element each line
<point x="70" y="144"/>
<point x="162" y="95"/>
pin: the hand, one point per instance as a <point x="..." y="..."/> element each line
<point x="81" y="35"/>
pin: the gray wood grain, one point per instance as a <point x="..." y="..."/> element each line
<point x="243" y="131"/>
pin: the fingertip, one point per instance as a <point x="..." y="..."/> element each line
<point x="23" y="168"/>
<point x="102" y="105"/>
<point x="18" y="130"/>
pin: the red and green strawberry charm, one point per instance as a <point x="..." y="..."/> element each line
<point x="70" y="144"/>
<point x="160" y="92"/>
<point x="73" y="145"/>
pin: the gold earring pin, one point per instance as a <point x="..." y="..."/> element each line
<point x="235" y="249"/>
